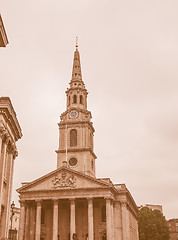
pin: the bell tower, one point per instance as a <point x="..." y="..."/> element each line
<point x="76" y="130"/>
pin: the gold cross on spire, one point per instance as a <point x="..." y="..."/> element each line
<point x="76" y="42"/>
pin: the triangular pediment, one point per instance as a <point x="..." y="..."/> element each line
<point x="61" y="179"/>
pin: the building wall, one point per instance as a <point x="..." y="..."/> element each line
<point x="10" y="132"/>
<point x="173" y="229"/>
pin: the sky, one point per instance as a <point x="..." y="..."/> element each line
<point x="129" y="58"/>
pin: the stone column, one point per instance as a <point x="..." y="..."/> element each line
<point x="112" y="220"/>
<point x="32" y="222"/>
<point x="38" y="220"/>
<point x="108" y="219"/>
<point x="1" y="136"/>
<point x="90" y="219"/>
<point x="9" y="177"/>
<point x="27" y="223"/>
<point x="55" y="219"/>
<point x="2" y="164"/>
<point x="125" y="221"/>
<point x="72" y="217"/>
<point x="22" y="221"/>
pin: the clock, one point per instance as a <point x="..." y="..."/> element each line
<point x="73" y="114"/>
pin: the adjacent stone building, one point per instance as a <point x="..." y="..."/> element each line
<point x="173" y="228"/>
<point x="10" y="132"/>
<point x="70" y="202"/>
<point x="3" y="35"/>
<point x="153" y="207"/>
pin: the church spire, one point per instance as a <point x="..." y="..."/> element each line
<point x="76" y="72"/>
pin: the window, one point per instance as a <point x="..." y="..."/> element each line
<point x="73" y="138"/>
<point x="81" y="99"/>
<point x="73" y="161"/>
<point x="69" y="100"/>
<point x="74" y="99"/>
<point x="103" y="214"/>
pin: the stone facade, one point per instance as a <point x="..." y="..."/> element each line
<point x="70" y="202"/>
<point x="3" y="36"/>
<point x="173" y="228"/>
<point x="10" y="132"/>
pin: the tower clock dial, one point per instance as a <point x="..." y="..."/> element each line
<point x="73" y="114"/>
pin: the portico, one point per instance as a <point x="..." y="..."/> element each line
<point x="60" y="218"/>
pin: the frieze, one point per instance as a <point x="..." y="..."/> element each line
<point x="64" y="181"/>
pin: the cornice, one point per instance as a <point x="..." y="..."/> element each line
<point x="78" y="123"/>
<point x="78" y="150"/>
<point x="7" y="111"/>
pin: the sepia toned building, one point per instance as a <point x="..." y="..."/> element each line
<point x="153" y="207"/>
<point x="3" y="35"/>
<point x="10" y="132"/>
<point x="173" y="228"/>
<point x="70" y="202"/>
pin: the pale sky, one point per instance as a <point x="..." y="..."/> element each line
<point x="129" y="58"/>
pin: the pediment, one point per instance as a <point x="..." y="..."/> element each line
<point x="63" y="179"/>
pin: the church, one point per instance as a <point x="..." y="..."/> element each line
<point x="70" y="202"/>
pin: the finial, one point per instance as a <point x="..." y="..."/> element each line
<point x="76" y="43"/>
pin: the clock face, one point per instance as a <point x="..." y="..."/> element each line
<point x="73" y="114"/>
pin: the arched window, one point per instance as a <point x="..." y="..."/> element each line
<point x="69" y="101"/>
<point x="73" y="138"/>
<point x="74" y="99"/>
<point x="103" y="214"/>
<point x="81" y="99"/>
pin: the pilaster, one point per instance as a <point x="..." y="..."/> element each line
<point x="22" y="221"/>
<point x="125" y="221"/>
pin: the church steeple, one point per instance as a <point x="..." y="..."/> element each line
<point x="76" y="94"/>
<point x="76" y="72"/>
<point x="76" y="130"/>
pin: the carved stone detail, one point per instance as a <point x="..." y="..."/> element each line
<point x="65" y="181"/>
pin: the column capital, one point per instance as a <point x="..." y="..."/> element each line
<point x="38" y="202"/>
<point x="90" y="199"/>
<point x="2" y="130"/>
<point x="72" y="200"/>
<point x="123" y="203"/>
<point x="108" y="198"/>
<point x="55" y="201"/>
